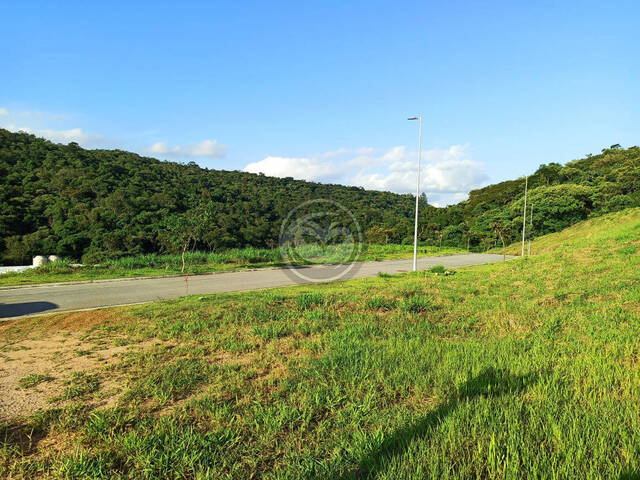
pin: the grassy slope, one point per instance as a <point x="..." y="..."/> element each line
<point x="588" y="232"/>
<point x="527" y="369"/>
<point x="238" y="259"/>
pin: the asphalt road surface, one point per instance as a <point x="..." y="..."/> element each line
<point x="38" y="299"/>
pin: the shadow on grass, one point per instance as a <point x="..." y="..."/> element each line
<point x="20" y="438"/>
<point x="489" y="383"/>
<point x="630" y="475"/>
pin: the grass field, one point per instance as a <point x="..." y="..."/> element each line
<point x="203" y="262"/>
<point x="523" y="369"/>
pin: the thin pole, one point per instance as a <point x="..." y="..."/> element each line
<point x="530" y="229"/>
<point x="524" y="213"/>
<point x="415" y="228"/>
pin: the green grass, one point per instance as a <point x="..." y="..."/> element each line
<point x="381" y="303"/>
<point x="33" y="380"/>
<point x="523" y="369"/>
<point x="203" y="262"/>
<point x="80" y="385"/>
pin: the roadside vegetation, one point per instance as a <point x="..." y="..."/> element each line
<point x="203" y="262"/>
<point x="94" y="205"/>
<point x="523" y="369"/>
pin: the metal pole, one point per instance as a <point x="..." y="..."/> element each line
<point x="524" y="213"/>
<point x="415" y="228"/>
<point x="530" y="229"/>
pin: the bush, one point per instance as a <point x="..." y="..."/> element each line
<point x="95" y="257"/>
<point x="59" y="266"/>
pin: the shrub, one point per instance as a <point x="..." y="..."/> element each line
<point x="59" y="266"/>
<point x="95" y="257"/>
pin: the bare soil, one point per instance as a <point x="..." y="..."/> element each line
<point x="56" y="346"/>
<point x="58" y="355"/>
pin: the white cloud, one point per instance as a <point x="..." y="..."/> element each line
<point x="160" y="148"/>
<point x="442" y="173"/>
<point x="60" y="136"/>
<point x="208" y="148"/>
<point x="203" y="149"/>
<point x="36" y="120"/>
<point x="40" y="123"/>
<point x="65" y="136"/>
<point x="447" y="175"/>
<point x="311" y="169"/>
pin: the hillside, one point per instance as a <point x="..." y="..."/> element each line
<point x="98" y="204"/>
<point x="560" y="195"/>
<point x="525" y="369"/>
<point x="95" y="204"/>
<point x="602" y="232"/>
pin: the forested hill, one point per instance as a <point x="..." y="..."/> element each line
<point x="75" y="202"/>
<point x="560" y="195"/>
<point x="88" y="204"/>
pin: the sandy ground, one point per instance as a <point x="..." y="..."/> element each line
<point x="57" y="356"/>
<point x="57" y="347"/>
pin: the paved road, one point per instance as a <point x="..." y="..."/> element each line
<point x="23" y="301"/>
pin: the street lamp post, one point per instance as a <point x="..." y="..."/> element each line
<point x="524" y="213"/>
<point x="415" y="228"/>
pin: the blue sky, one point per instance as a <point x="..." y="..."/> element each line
<point x="322" y="90"/>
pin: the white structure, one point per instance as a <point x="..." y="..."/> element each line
<point x="415" y="229"/>
<point x="40" y="260"/>
<point x="17" y="269"/>
<point x="524" y="213"/>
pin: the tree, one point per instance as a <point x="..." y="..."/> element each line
<point x="182" y="232"/>
<point x="97" y="204"/>
<point x="378" y="235"/>
<point x="500" y="229"/>
<point x="557" y="207"/>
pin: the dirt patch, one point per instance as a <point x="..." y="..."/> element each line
<point x="85" y="320"/>
<point x="226" y="358"/>
<point x="55" y="358"/>
<point x="43" y="326"/>
<point x="40" y="357"/>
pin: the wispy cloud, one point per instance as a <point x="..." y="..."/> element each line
<point x="203" y="149"/>
<point x="15" y="121"/>
<point x="76" y="135"/>
<point x="47" y="125"/>
<point x="447" y="175"/>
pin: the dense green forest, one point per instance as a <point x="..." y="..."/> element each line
<point x="94" y="204"/>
